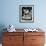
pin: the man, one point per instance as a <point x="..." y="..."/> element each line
<point x="26" y="13"/>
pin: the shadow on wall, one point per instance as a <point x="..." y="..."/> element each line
<point x="2" y="26"/>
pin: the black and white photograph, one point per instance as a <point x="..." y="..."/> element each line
<point x="26" y="13"/>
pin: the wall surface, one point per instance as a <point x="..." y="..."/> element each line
<point x="9" y="13"/>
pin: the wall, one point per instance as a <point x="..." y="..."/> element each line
<point x="9" y="13"/>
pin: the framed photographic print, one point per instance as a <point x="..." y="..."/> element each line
<point x="26" y="13"/>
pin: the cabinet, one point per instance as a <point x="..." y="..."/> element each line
<point x="23" y="39"/>
<point x="34" y="39"/>
<point x="13" y="39"/>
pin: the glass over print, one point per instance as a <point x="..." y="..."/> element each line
<point x="26" y="13"/>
